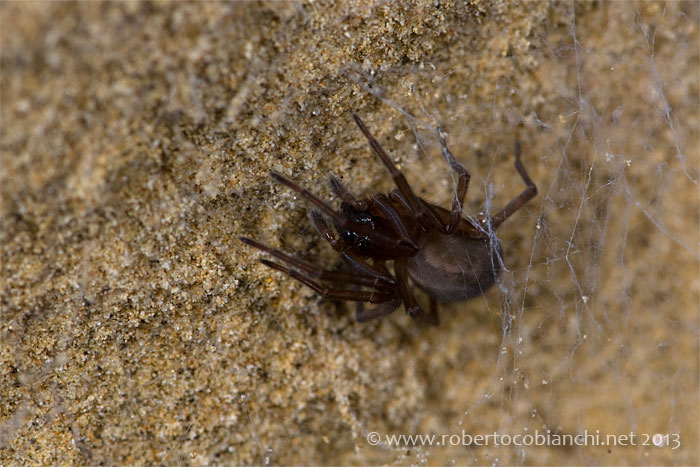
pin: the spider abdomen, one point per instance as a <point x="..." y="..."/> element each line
<point x="455" y="267"/>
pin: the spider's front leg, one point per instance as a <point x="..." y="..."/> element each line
<point x="330" y="293"/>
<point x="423" y="213"/>
<point x="311" y="271"/>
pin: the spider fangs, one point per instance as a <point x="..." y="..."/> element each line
<point x="447" y="256"/>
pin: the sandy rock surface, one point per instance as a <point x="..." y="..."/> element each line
<point x="136" y="141"/>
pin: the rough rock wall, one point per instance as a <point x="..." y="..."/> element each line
<point x="136" y="139"/>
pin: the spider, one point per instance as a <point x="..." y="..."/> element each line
<point x="447" y="256"/>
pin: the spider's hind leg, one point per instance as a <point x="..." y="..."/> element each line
<point x="520" y="200"/>
<point x="413" y="309"/>
<point x="431" y="318"/>
<point x="462" y="184"/>
<point x="363" y="315"/>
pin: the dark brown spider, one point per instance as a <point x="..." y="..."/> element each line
<point x="447" y="256"/>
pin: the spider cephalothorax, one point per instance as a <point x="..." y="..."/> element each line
<point x="447" y="256"/>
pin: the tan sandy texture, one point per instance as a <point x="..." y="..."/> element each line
<point x="136" y="139"/>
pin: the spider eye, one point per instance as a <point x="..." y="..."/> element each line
<point x="361" y="244"/>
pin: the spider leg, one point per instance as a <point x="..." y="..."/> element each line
<point x="363" y="315"/>
<point x="382" y="202"/>
<point x="413" y="309"/>
<point x="341" y="220"/>
<point x="462" y="185"/>
<point x="426" y="216"/>
<point x="517" y="202"/>
<point x="316" y="272"/>
<point x="332" y="294"/>
<point x="363" y="266"/>
<point x="431" y="318"/>
<point x="466" y="225"/>
<point x="397" y="196"/>
<point x="344" y="194"/>
<point x="326" y="232"/>
<point x="351" y="258"/>
<point x="381" y="267"/>
<point x="310" y="197"/>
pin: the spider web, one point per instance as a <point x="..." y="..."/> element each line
<point x="590" y="290"/>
